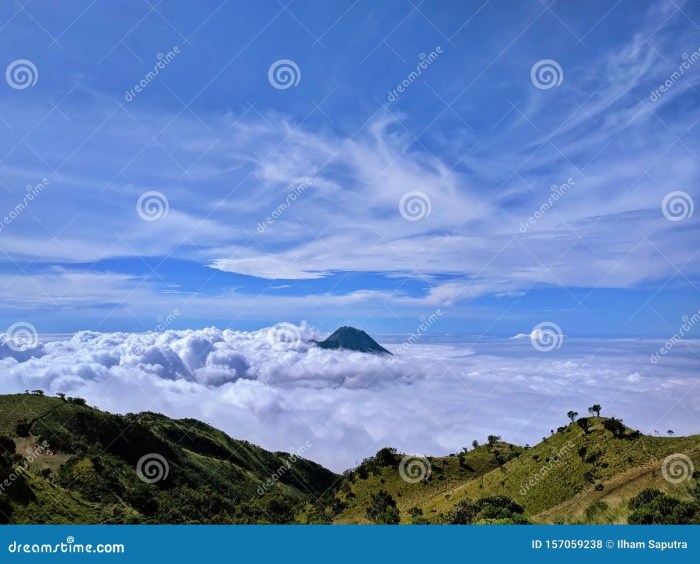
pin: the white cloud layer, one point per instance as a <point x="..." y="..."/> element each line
<point x="434" y="399"/>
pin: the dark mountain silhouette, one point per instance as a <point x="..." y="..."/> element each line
<point x="352" y="339"/>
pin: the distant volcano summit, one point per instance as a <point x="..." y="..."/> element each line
<point x="352" y="339"/>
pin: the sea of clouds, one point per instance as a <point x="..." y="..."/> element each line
<point x="434" y="398"/>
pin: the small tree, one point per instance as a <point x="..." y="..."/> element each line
<point x="572" y="415"/>
<point x="492" y="440"/>
<point x="385" y="457"/>
<point x="595" y="410"/>
<point x="670" y="432"/>
<point x="475" y="444"/>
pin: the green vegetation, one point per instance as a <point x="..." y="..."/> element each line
<point x="653" y="507"/>
<point x="586" y="472"/>
<point x="62" y="461"/>
<point x="88" y="472"/>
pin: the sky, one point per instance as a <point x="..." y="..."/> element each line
<point x="506" y="163"/>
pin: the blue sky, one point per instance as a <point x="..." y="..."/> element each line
<point x="476" y="137"/>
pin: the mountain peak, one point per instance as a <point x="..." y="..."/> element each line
<point x="352" y="339"/>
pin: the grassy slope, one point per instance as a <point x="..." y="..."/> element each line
<point x="624" y="466"/>
<point x="88" y="488"/>
<point x="93" y="468"/>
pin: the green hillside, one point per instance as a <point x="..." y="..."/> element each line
<point x="87" y="473"/>
<point x="62" y="461"/>
<point x="573" y="476"/>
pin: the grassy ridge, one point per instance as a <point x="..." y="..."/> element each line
<point x="79" y="466"/>
<point x="88" y="474"/>
<point x="557" y="480"/>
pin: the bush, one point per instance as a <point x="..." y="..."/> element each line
<point x="652" y="507"/>
<point x="488" y="509"/>
<point x="382" y="509"/>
